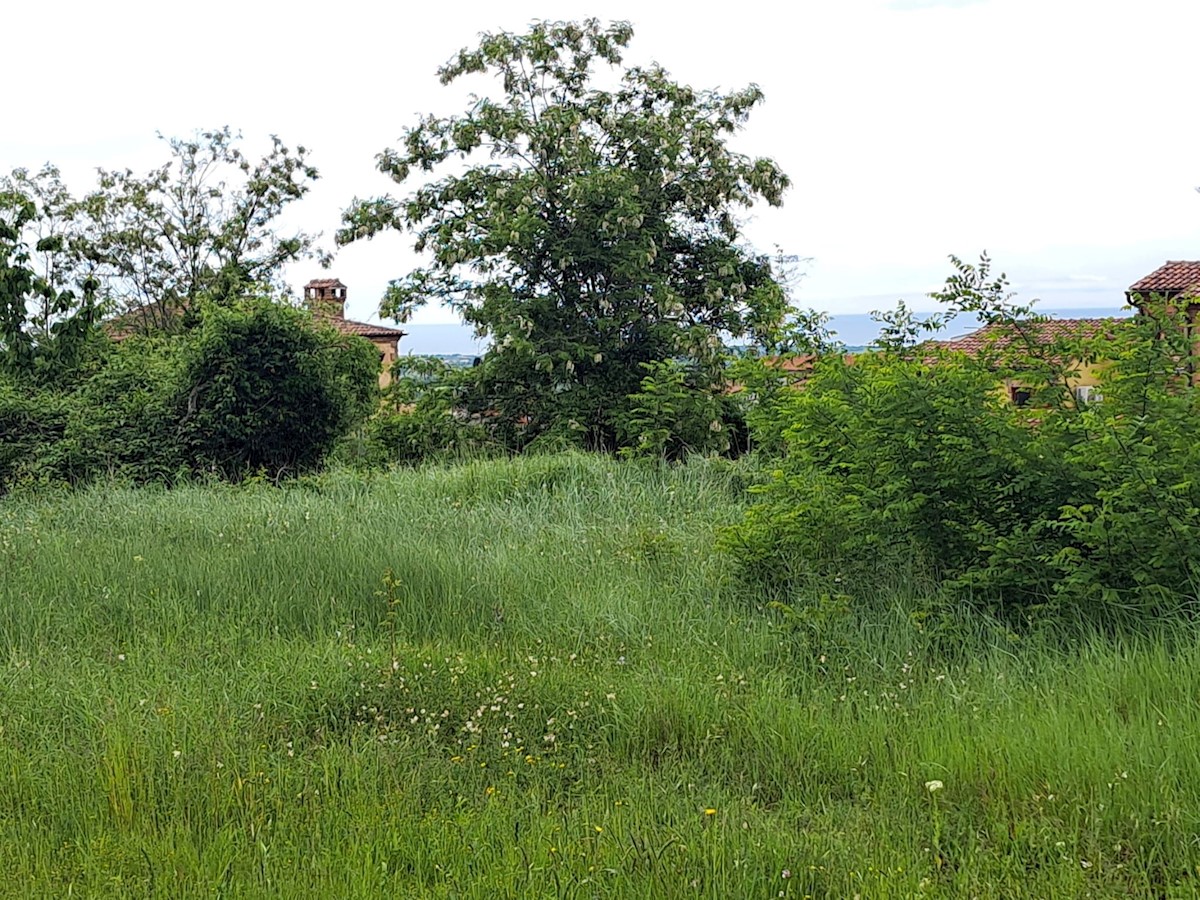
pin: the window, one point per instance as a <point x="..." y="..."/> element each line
<point x="1020" y="396"/>
<point x="1087" y="393"/>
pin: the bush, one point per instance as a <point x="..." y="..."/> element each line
<point x="912" y="457"/>
<point x="262" y="389"/>
<point x="32" y="424"/>
<point x="676" y="413"/>
<point x="422" y="419"/>
<point x="887" y="461"/>
<point x="123" y="424"/>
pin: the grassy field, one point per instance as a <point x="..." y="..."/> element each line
<point x="540" y="678"/>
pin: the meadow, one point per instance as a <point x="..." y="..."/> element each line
<point x="541" y="677"/>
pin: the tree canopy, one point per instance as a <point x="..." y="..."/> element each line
<point x="202" y="226"/>
<point x="589" y="232"/>
<point x="47" y="298"/>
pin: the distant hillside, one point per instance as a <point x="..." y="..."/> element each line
<point x="452" y="342"/>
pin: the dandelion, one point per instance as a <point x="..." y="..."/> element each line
<point x="177" y="753"/>
<point x="787" y="873"/>
<point x="933" y="786"/>
<point x="710" y="811"/>
<point x="120" y="657"/>
<point x="599" y="830"/>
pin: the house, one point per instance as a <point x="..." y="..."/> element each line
<point x="1175" y="281"/>
<point x="1083" y="376"/>
<point x="1176" y="284"/>
<point x="326" y="298"/>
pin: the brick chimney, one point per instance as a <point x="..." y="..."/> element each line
<point x="326" y="297"/>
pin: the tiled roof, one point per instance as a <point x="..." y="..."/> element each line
<point x="998" y="336"/>
<point x="324" y="283"/>
<point x="1175" y="275"/>
<point x="364" y="329"/>
<point x="140" y="320"/>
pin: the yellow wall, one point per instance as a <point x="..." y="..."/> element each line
<point x="1085" y="374"/>
<point x="387" y="347"/>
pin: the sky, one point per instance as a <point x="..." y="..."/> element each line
<point x="1058" y="135"/>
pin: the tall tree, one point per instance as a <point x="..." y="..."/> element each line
<point x="588" y="232"/>
<point x="47" y="293"/>
<point x="204" y="225"/>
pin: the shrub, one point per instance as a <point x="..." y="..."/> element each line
<point x="262" y="389"/>
<point x="676" y="413"/>
<point x="32" y="424"/>
<point x="124" y="423"/>
<point x="910" y="456"/>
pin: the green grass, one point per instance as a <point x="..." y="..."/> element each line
<point x="539" y="678"/>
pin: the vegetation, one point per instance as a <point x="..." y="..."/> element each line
<point x="813" y="626"/>
<point x="913" y="456"/>
<point x="266" y="389"/>
<point x="48" y="307"/>
<point x="202" y="227"/>
<point x="597" y="238"/>
<point x="255" y="388"/>
<point x="551" y="685"/>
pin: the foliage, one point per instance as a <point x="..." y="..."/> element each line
<point x="202" y="226"/>
<point x="48" y="306"/>
<point x="912" y="455"/>
<point x="263" y="387"/>
<point x="672" y="416"/>
<point x="421" y="418"/>
<point x="33" y="422"/>
<point x="124" y="424"/>
<point x="598" y="236"/>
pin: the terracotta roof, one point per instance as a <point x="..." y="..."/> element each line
<point x="364" y="329"/>
<point x="324" y="283"/>
<point x="999" y="336"/>
<point x="139" y="320"/>
<point x="1175" y="275"/>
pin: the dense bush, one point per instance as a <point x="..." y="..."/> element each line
<point x="32" y="425"/>
<point x="261" y="388"/>
<point x="676" y="413"/>
<point x="253" y="388"/>
<point x="912" y="457"/>
<point x="122" y="423"/>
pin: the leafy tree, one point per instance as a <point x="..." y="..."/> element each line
<point x="586" y="231"/>
<point x="47" y="297"/>
<point x="202" y="226"/>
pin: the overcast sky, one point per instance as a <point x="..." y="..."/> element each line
<point x="1059" y="135"/>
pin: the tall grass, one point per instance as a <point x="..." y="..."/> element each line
<point x="537" y="678"/>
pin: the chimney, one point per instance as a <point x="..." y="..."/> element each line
<point x="326" y="297"/>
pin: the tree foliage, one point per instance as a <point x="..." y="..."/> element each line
<point x="586" y="231"/>
<point x="202" y="226"/>
<point x="48" y="305"/>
